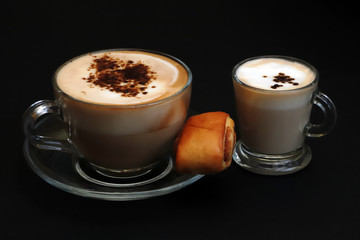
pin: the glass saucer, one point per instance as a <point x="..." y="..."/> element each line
<point x="66" y="173"/>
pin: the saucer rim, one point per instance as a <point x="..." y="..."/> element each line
<point x="112" y="196"/>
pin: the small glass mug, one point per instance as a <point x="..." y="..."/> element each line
<point x="144" y="132"/>
<point x="273" y="124"/>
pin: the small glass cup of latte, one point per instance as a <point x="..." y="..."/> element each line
<point x="122" y="109"/>
<point x="274" y="97"/>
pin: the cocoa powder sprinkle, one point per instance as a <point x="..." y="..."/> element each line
<point x="121" y="76"/>
<point x="284" y="79"/>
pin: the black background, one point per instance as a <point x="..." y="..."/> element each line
<point x="320" y="202"/>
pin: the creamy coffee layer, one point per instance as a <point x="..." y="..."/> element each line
<point x="121" y="77"/>
<point x="275" y="74"/>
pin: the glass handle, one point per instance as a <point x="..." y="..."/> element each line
<point x="330" y="115"/>
<point x="39" y="114"/>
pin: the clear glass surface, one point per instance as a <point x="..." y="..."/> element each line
<point x="57" y="168"/>
<point x="272" y="164"/>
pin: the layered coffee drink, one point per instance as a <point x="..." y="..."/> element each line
<point x="274" y="101"/>
<point x="124" y="107"/>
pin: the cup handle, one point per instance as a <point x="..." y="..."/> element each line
<point x="329" y="110"/>
<point x="38" y="114"/>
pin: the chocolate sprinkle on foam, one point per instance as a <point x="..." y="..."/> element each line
<point x="121" y="76"/>
<point x="282" y="78"/>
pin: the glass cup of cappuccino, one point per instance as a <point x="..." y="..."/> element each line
<point x="122" y="109"/>
<point x="274" y="98"/>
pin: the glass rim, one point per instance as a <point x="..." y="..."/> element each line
<point x="186" y="86"/>
<point x="293" y="59"/>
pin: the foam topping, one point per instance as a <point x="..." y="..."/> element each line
<point x="121" y="77"/>
<point x="275" y="74"/>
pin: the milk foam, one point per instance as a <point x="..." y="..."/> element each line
<point x="171" y="77"/>
<point x="260" y="73"/>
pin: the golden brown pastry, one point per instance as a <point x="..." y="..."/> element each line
<point x="206" y="144"/>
